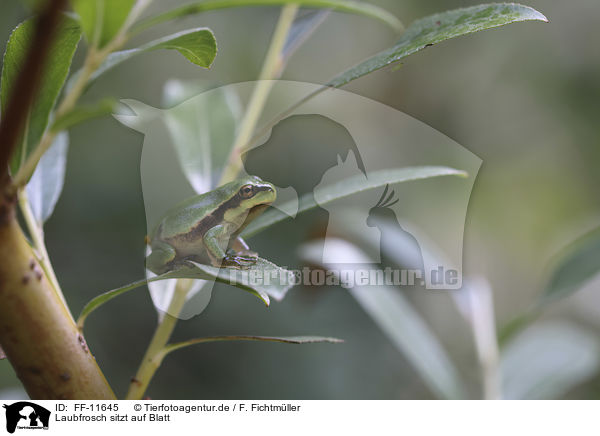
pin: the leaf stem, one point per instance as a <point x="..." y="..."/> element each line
<point x="271" y="70"/>
<point x="37" y="237"/>
<point x="154" y="354"/>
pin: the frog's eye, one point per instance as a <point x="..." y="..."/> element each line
<point x="247" y="191"/>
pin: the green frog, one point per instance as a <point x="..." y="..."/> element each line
<point x="206" y="228"/>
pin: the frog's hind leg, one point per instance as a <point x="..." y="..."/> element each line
<point x="161" y="257"/>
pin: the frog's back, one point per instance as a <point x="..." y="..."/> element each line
<point x="182" y="218"/>
<point x="191" y="218"/>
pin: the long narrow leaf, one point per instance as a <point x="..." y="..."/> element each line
<point x="421" y="34"/>
<point x="263" y="280"/>
<point x="400" y="322"/>
<point x="409" y="332"/>
<point x="437" y="28"/>
<point x="350" y="186"/>
<point x="573" y="267"/>
<point x="98" y="301"/>
<point x="283" y="339"/>
<point x="354" y="7"/>
<point x="579" y="262"/>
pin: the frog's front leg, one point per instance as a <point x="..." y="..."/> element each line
<point x="214" y="247"/>
<point x="162" y="255"/>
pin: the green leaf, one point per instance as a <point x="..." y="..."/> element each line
<point x="277" y="281"/>
<point x="263" y="279"/>
<point x="547" y="360"/>
<point x="46" y="183"/>
<point x="579" y="262"/>
<point x="409" y="332"/>
<point x="437" y="28"/>
<point x="354" y="7"/>
<point x="347" y="187"/>
<point x="399" y="321"/>
<point x="573" y="267"/>
<point x="282" y="339"/>
<point x="202" y="129"/>
<point x="101" y="20"/>
<point x="80" y="114"/>
<point x="422" y="34"/>
<point x="197" y="45"/>
<point x="98" y="301"/>
<point x="55" y="72"/>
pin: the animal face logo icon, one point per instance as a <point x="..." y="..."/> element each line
<point x="417" y="225"/>
<point x="24" y="414"/>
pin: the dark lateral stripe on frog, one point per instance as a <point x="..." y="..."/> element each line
<point x="216" y="217"/>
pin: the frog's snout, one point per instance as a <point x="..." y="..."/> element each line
<point x="269" y="193"/>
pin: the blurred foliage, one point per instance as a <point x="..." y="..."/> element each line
<point x="578" y="263"/>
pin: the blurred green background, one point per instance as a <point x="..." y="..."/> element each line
<point x="524" y="98"/>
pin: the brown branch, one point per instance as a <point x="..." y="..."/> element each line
<point x="24" y="91"/>
<point x="37" y="332"/>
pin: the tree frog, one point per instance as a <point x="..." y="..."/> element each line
<point x="206" y="227"/>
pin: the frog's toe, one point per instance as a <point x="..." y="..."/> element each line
<point x="237" y="261"/>
<point x="243" y="253"/>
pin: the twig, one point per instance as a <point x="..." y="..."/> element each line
<point x="153" y="356"/>
<point x="271" y="69"/>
